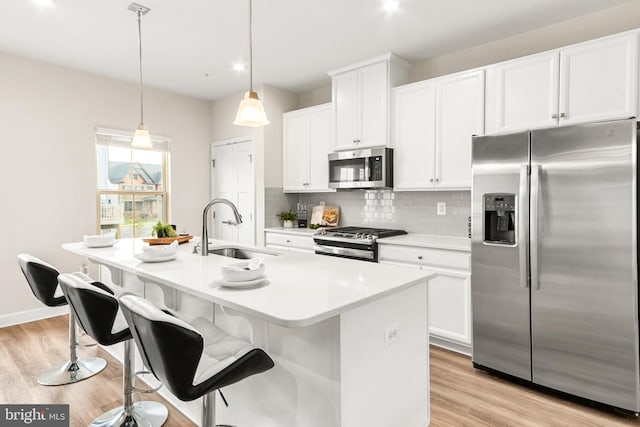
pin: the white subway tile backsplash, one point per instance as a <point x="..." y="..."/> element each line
<point x="413" y="211"/>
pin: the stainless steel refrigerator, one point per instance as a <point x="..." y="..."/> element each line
<point x="554" y="274"/>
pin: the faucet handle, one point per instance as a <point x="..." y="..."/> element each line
<point x="196" y="248"/>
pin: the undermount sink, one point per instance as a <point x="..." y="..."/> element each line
<point x="240" y="253"/>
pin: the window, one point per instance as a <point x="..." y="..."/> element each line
<point x="132" y="185"/>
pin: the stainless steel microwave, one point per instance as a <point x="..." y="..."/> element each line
<point x="366" y="168"/>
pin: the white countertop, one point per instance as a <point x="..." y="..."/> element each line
<point x="303" y="288"/>
<point x="290" y="230"/>
<point x="429" y="241"/>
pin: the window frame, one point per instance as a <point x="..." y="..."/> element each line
<point x="161" y="145"/>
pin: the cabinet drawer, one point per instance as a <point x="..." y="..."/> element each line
<point x="425" y="256"/>
<point x="288" y="240"/>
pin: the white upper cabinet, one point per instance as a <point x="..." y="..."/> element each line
<point x="459" y="116"/>
<point x="434" y="121"/>
<point x="598" y="79"/>
<point x="345" y="94"/>
<point x="595" y="80"/>
<point x="414" y="136"/>
<point x="307" y="141"/>
<point x="523" y="93"/>
<point x="361" y="95"/>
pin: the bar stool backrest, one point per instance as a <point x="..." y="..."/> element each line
<point x="170" y="347"/>
<point x="95" y="308"/>
<point x="42" y="279"/>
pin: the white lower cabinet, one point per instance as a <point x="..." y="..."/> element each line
<point x="449" y="292"/>
<point x="289" y="241"/>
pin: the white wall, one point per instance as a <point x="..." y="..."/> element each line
<point x="48" y="116"/>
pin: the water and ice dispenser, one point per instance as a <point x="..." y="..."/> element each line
<point x="500" y="219"/>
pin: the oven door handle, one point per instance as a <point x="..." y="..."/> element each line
<point x="336" y="250"/>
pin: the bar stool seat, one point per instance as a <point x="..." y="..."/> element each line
<point x="96" y="308"/>
<point x="43" y="281"/>
<point x="192" y="360"/>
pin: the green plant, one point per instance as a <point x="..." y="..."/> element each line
<point x="287" y="216"/>
<point x="163" y="230"/>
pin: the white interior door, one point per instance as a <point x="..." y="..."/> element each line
<point x="233" y="178"/>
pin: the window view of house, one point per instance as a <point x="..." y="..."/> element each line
<point x="132" y="186"/>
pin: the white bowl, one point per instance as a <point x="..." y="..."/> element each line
<point x="235" y="273"/>
<point x="100" y="239"/>
<point x="161" y="251"/>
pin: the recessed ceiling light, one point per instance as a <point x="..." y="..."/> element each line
<point x="391" y="6"/>
<point x="239" y="67"/>
<point x="44" y="4"/>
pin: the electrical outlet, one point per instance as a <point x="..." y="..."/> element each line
<point x="442" y="208"/>
<point x="321" y="203"/>
<point x="391" y="334"/>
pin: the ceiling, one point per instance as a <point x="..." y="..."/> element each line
<point x="190" y="46"/>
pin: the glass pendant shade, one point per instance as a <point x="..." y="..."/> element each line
<point x="251" y="112"/>
<point x="141" y="139"/>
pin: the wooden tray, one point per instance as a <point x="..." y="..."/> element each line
<point x="168" y="240"/>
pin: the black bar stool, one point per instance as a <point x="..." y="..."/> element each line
<point x="192" y="360"/>
<point x="96" y="308"/>
<point x="43" y="281"/>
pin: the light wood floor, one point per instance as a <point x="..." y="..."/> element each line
<point x="460" y="395"/>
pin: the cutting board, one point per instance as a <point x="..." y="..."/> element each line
<point x="326" y="216"/>
<point x="168" y="240"/>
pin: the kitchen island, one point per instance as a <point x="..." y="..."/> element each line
<point x="349" y="338"/>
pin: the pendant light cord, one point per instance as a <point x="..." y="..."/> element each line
<point x="250" y="47"/>
<point x="140" y="56"/>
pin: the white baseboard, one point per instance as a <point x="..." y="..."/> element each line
<point x="450" y="345"/>
<point x="32" y="315"/>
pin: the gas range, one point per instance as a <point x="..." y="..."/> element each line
<point x="351" y="242"/>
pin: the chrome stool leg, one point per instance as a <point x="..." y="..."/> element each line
<point x="209" y="410"/>
<point x="74" y="369"/>
<point x="130" y="414"/>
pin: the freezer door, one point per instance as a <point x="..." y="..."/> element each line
<point x="499" y="275"/>
<point x="584" y="309"/>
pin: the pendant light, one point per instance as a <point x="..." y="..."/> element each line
<point x="251" y="112"/>
<point x="141" y="138"/>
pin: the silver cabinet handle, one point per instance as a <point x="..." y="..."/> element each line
<point x="523" y="209"/>
<point x="431" y="180"/>
<point x="419" y="256"/>
<point x="437" y="180"/>
<point x="563" y="115"/>
<point x="230" y="222"/>
<point x="554" y="116"/>
<point x="533" y="239"/>
<point x="288" y="241"/>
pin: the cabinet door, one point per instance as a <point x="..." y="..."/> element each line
<point x="345" y="99"/>
<point x="459" y="116"/>
<point x="374" y="102"/>
<point x="295" y="143"/>
<point x="414" y="136"/>
<point x="450" y="306"/>
<point x="523" y="93"/>
<point x="320" y="144"/>
<point x="598" y="79"/>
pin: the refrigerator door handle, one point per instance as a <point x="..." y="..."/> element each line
<point x="533" y="238"/>
<point x="523" y="209"/>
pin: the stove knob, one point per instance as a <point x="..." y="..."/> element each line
<point x="371" y="236"/>
<point x="358" y="235"/>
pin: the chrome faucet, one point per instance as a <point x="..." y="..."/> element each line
<point x="204" y="245"/>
